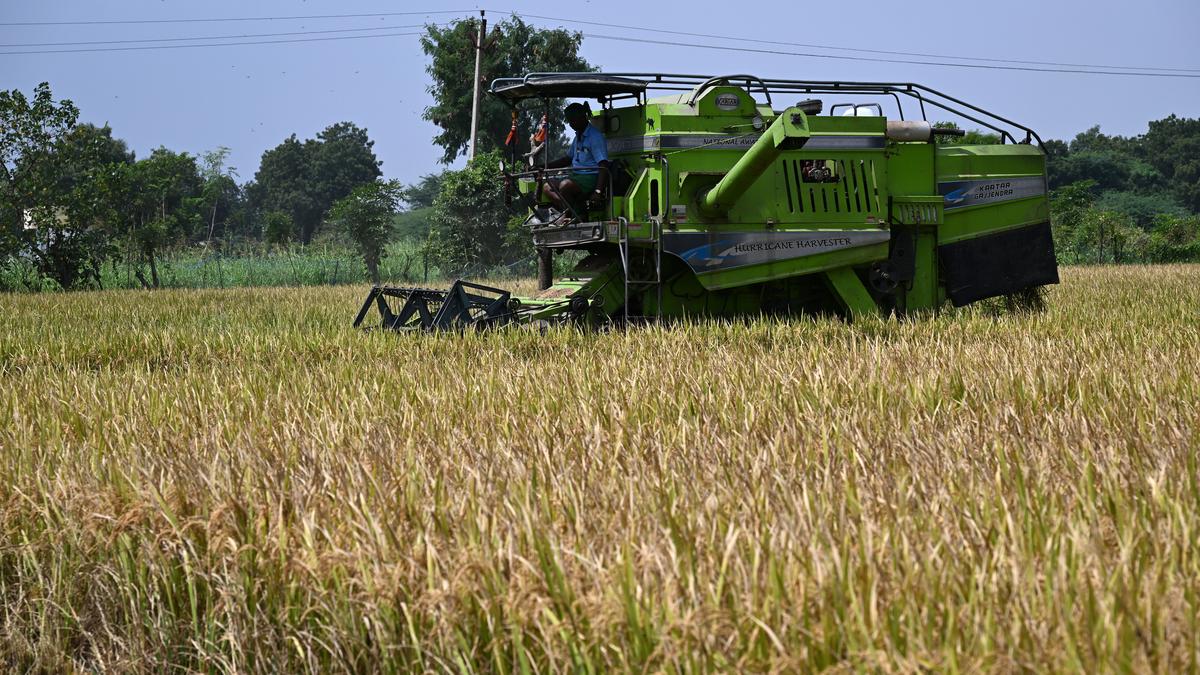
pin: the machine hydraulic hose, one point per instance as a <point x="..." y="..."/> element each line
<point x="788" y="131"/>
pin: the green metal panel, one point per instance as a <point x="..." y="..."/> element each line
<point x="789" y="172"/>
<point x="783" y="269"/>
<point x="991" y="188"/>
<point x="923" y="294"/>
<point x="850" y="290"/>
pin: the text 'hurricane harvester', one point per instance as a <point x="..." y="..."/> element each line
<point x="722" y="201"/>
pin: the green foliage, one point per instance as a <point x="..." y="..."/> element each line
<point x="32" y="169"/>
<point x="414" y="224"/>
<point x="422" y="193"/>
<point x="30" y="129"/>
<point x="471" y="221"/>
<point x="88" y="203"/>
<point x="513" y="48"/>
<point x="1091" y="229"/>
<point x="972" y="136"/>
<point x="1172" y="146"/>
<point x="366" y="215"/>
<point x="164" y="206"/>
<point x="1127" y="199"/>
<point x="222" y="196"/>
<point x="1141" y="207"/>
<point x="306" y="178"/>
<point x="277" y="227"/>
<point x="1109" y="170"/>
<point x="1174" y="238"/>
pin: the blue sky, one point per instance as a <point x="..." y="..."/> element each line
<point x="251" y="97"/>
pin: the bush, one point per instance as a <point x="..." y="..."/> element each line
<point x="1174" y="238"/>
<point x="471" y="223"/>
<point x="277" y="227"/>
<point x="367" y="216"/>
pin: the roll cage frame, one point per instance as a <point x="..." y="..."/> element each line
<point x="924" y="96"/>
<point x="610" y="88"/>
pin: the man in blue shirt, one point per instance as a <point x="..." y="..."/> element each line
<point x="588" y="160"/>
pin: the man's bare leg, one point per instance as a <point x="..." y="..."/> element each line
<point x="562" y="194"/>
<point x="551" y="192"/>
<point x="569" y="192"/>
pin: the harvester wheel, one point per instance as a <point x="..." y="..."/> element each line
<point x="579" y="306"/>
<point x="881" y="280"/>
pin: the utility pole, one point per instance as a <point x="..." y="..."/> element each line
<point x="479" y="38"/>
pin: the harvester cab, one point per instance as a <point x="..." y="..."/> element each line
<point x="723" y="201"/>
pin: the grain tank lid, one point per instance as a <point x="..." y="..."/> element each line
<point x="565" y="85"/>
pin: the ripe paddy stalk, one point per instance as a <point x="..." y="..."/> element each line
<point x="234" y="480"/>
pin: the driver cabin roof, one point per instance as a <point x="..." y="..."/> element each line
<point x="566" y="85"/>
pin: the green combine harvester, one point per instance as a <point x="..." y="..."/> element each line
<point x="724" y="201"/>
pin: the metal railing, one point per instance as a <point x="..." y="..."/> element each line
<point x="922" y="95"/>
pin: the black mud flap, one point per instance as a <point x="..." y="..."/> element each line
<point x="998" y="264"/>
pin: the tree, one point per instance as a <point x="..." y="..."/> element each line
<point x="366" y="215"/>
<point x="29" y="132"/>
<point x="59" y="187"/>
<point x="512" y="49"/>
<point x="284" y="182"/>
<point x="86" y="192"/>
<point x="1172" y="146"/>
<point x="165" y="204"/>
<point x="1094" y="140"/>
<point x="1175" y="238"/>
<point x="306" y="178"/>
<point x="1142" y="207"/>
<point x="470" y="220"/>
<point x="344" y="160"/>
<point x="30" y="169"/>
<point x="221" y="193"/>
<point x="971" y="137"/>
<point x="422" y="193"/>
<point x="277" y="227"/>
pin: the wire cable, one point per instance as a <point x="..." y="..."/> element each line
<point x="215" y="44"/>
<point x="850" y="49"/>
<point x="206" y="37"/>
<point x="987" y="63"/>
<point x="871" y="59"/>
<point x="232" y="19"/>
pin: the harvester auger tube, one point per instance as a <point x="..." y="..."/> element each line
<point x="789" y="131"/>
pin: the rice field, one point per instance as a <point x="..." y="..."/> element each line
<point x="236" y="481"/>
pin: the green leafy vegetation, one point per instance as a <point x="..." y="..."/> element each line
<point x="472" y="226"/>
<point x="304" y="179"/>
<point x="367" y="216"/>
<point x="514" y="48"/>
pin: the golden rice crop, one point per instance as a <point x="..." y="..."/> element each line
<point x="235" y="480"/>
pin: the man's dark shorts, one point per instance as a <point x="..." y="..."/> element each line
<point x="585" y="181"/>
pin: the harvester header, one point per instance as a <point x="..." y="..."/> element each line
<point x="720" y="199"/>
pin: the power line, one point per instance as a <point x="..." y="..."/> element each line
<point x="882" y="60"/>
<point x="214" y="44"/>
<point x="1058" y="67"/>
<point x="231" y="19"/>
<point x="207" y="37"/>
<point x="850" y="49"/>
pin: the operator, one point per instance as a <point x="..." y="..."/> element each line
<point x="588" y="160"/>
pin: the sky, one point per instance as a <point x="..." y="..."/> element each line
<point x="251" y="97"/>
